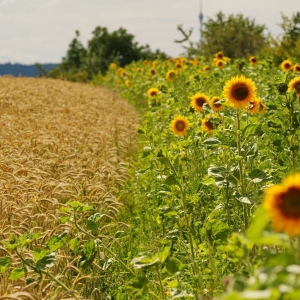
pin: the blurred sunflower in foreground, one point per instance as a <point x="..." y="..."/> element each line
<point x="282" y="201"/>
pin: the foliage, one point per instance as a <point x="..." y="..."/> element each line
<point x="236" y="36"/>
<point x="104" y="48"/>
<point x="287" y="45"/>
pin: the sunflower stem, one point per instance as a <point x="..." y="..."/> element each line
<point x="245" y="210"/>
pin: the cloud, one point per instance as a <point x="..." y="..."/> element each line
<point x="6" y="2"/>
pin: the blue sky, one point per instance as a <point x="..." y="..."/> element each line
<point x="40" y="30"/>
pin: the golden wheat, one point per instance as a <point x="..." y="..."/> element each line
<point x="59" y="141"/>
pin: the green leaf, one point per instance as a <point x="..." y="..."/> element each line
<point x="171" y="180"/>
<point x="75" y="204"/>
<point x="138" y="285"/>
<point x="5" y="262"/>
<point x="39" y="254"/>
<point x="91" y="225"/>
<point x="47" y="261"/>
<point x="144" y="262"/>
<point x="258" y="175"/>
<point x="57" y="241"/>
<point x="74" y="244"/>
<point x="27" y="238"/>
<point x="258" y="225"/>
<point x="252" y="129"/>
<point x="244" y="200"/>
<point x="16" y="274"/>
<point x="212" y="141"/>
<point x="174" y="265"/>
<point x="163" y="255"/>
<point x="180" y="294"/>
<point x="88" y="254"/>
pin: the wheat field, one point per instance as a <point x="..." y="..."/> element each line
<point x="59" y="141"/>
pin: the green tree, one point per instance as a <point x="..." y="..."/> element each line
<point x="236" y="36"/>
<point x="103" y="48"/>
<point x="288" y="44"/>
<point x="76" y="55"/>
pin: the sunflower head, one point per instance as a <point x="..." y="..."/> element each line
<point x="138" y="70"/>
<point x="295" y="84"/>
<point x="219" y="55"/>
<point x="286" y="65"/>
<point x="282" y="87"/>
<point x="171" y="75"/>
<point x="112" y="66"/>
<point x="146" y="62"/>
<point x="170" y="59"/>
<point x="127" y="82"/>
<point x="296" y="68"/>
<point x="282" y="201"/>
<point x="253" y="60"/>
<point x="219" y="63"/>
<point x="206" y="68"/>
<point x="256" y="107"/>
<point x="152" y="92"/>
<point x="198" y="100"/>
<point x="239" y="91"/>
<point x="208" y="125"/>
<point x="179" y="125"/>
<point x="215" y="105"/>
<point x="154" y="63"/>
<point x="183" y="60"/>
<point x="152" y="72"/>
<point x="178" y="65"/>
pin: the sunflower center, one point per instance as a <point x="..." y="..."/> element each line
<point x="200" y="102"/>
<point x="209" y="125"/>
<point x="172" y="75"/>
<point x="216" y="104"/>
<point x="290" y="203"/>
<point x="153" y="93"/>
<point x="297" y="86"/>
<point x="287" y="65"/>
<point x="180" y="125"/>
<point x="240" y="92"/>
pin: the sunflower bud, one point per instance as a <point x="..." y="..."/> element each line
<point x="282" y="88"/>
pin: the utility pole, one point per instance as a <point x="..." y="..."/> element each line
<point x="201" y="20"/>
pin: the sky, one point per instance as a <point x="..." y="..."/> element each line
<point x="34" y="31"/>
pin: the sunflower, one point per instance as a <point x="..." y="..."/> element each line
<point x="253" y="60"/>
<point x="170" y="59"/>
<point x="295" y="84"/>
<point x="154" y="63"/>
<point x="219" y="55"/>
<point x="262" y="108"/>
<point x="198" y="100"/>
<point x="171" y="75"/>
<point x="112" y="66"/>
<point x="138" y="70"/>
<point x="239" y="91"/>
<point x="215" y="105"/>
<point x="219" y="63"/>
<point x="207" y="125"/>
<point x="179" y="125"/>
<point x="152" y="92"/>
<point x="152" y="72"/>
<point x="127" y="82"/>
<point x="145" y="62"/>
<point x="286" y="65"/>
<point x="183" y="60"/>
<point x="178" y="65"/>
<point x="282" y="201"/>
<point x="206" y="68"/>
<point x="296" y="68"/>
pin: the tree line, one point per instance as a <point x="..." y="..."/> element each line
<point x="236" y="36"/>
